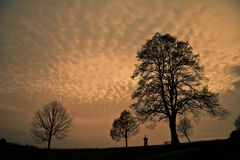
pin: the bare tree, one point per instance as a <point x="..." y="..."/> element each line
<point x="51" y="121"/>
<point x="185" y="128"/>
<point x="171" y="82"/>
<point x="124" y="127"/>
<point x="237" y="123"/>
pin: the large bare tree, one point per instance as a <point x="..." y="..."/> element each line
<point x="171" y="82"/>
<point x="51" y="121"/>
<point x="124" y="127"/>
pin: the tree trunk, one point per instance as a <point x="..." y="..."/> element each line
<point x="174" y="136"/>
<point x="49" y="142"/>
<point x="187" y="138"/>
<point x="126" y="141"/>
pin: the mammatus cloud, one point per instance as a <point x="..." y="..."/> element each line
<point x="83" y="53"/>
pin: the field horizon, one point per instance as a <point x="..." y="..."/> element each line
<point x="218" y="148"/>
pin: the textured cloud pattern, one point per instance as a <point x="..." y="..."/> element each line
<point x="83" y="53"/>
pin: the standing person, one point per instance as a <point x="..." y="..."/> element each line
<point x="145" y="139"/>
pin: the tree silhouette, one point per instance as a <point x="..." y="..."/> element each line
<point x="124" y="127"/>
<point x="234" y="138"/>
<point x="185" y="128"/>
<point x="237" y="123"/>
<point x="171" y="82"/>
<point x="51" y="121"/>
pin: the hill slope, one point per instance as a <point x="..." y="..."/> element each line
<point x="215" y="149"/>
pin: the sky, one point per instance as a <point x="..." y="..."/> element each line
<point x="83" y="52"/>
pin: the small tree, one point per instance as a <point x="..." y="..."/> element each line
<point x="51" y="121"/>
<point x="237" y="123"/>
<point x="124" y="127"/>
<point x="185" y="128"/>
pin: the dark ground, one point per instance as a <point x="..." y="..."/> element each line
<point x="215" y="149"/>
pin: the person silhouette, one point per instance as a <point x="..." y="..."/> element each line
<point x="145" y="139"/>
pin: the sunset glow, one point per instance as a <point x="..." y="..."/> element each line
<point x="83" y="53"/>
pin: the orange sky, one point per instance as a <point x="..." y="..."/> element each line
<point x="83" y="54"/>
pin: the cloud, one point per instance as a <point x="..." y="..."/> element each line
<point x="236" y="70"/>
<point x="83" y="52"/>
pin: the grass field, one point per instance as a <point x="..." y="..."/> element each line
<point x="215" y="149"/>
